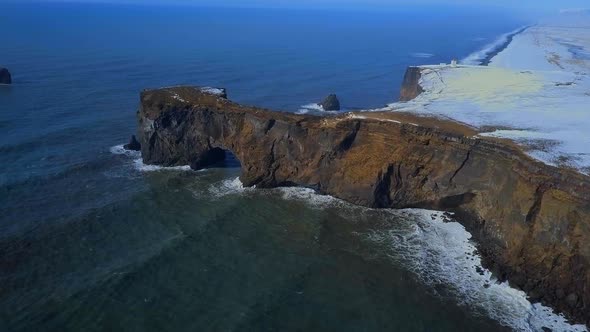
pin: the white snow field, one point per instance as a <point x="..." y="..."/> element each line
<point x="535" y="92"/>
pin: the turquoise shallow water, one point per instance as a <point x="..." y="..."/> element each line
<point x="91" y="241"/>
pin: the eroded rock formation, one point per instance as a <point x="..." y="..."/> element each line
<point x="331" y="103"/>
<point x="411" y="84"/>
<point x="133" y="144"/>
<point x="531" y="221"/>
<point x="5" y="77"/>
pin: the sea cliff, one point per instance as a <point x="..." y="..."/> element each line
<point x="530" y="219"/>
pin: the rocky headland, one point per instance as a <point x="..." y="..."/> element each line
<point x="530" y="219"/>
<point x="411" y="84"/>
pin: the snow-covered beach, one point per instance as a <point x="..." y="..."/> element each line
<point x="536" y="92"/>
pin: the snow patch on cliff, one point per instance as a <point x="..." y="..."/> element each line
<point x="177" y="97"/>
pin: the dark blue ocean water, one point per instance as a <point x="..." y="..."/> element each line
<point x="90" y="241"/>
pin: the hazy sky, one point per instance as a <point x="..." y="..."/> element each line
<point x="527" y="5"/>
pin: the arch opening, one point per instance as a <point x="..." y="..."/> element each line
<point x="216" y="158"/>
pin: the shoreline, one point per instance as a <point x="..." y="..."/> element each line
<point x="430" y="166"/>
<point x="484" y="55"/>
<point x="517" y="75"/>
<point x="509" y="38"/>
<point x="555" y="85"/>
<point x="532" y="198"/>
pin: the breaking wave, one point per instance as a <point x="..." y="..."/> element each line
<point x="120" y="150"/>
<point x="309" y="196"/>
<point x="310" y="108"/>
<point x="138" y="161"/>
<point x="227" y="187"/>
<point x="442" y="253"/>
<point x="315" y="109"/>
<point x="422" y="55"/>
<point x="438" y="251"/>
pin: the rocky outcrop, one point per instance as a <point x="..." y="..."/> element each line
<point x="531" y="221"/>
<point x="411" y="84"/>
<point x="133" y="144"/>
<point x="331" y="103"/>
<point x="5" y="77"/>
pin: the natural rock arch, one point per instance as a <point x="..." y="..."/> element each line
<point x="531" y="220"/>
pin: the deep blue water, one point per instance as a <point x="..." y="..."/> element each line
<point x="78" y="69"/>
<point x="90" y="242"/>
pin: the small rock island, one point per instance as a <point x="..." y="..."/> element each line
<point x="5" y="77"/>
<point x="133" y="144"/>
<point x="331" y="103"/>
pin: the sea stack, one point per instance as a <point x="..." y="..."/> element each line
<point x="5" y="77"/>
<point x="133" y="144"/>
<point x="331" y="103"/>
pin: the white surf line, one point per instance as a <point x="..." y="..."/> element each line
<point x="422" y="55"/>
<point x="477" y="57"/>
<point x="437" y="252"/>
<point x="228" y="187"/>
<point x="138" y="161"/>
<point x="441" y="252"/>
<point x="213" y="91"/>
<point x="310" y="108"/>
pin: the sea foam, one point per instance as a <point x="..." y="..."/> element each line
<point x="315" y="109"/>
<point x="228" y="187"/>
<point x="120" y="150"/>
<point x="422" y="55"/>
<point x="438" y="252"/>
<point x="138" y="161"/>
<point x="310" y="108"/>
<point x="442" y="253"/>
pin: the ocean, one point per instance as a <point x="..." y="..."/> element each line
<point x="91" y="239"/>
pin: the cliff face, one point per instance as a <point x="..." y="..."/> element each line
<point x="5" y="77"/>
<point x="531" y="221"/>
<point x="411" y="84"/>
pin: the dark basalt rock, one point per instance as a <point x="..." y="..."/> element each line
<point x="5" y="77"/>
<point x="531" y="221"/>
<point x="331" y="103"/>
<point x="133" y="144"/>
<point x="410" y="86"/>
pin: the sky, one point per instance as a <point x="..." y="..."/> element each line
<point x="530" y="4"/>
<point x="519" y="5"/>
